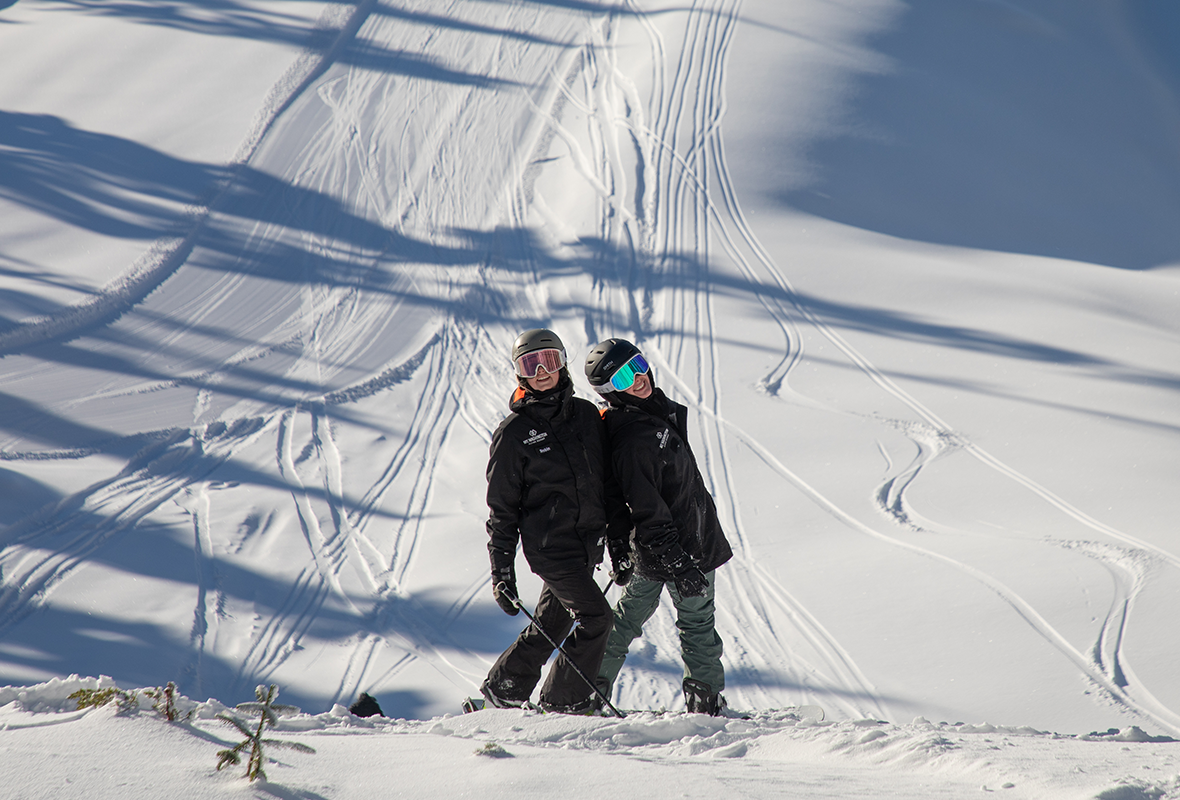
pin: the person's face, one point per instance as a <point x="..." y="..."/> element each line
<point x="641" y="388"/>
<point x="544" y="381"/>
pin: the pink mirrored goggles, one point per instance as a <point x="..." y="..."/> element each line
<point x="550" y="359"/>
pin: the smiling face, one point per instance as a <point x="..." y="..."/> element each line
<point x="641" y="388"/>
<point x="544" y="381"/>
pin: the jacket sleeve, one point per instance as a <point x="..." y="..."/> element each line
<point x="505" y="491"/>
<point x="638" y="471"/>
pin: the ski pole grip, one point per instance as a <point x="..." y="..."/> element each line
<point x="502" y="588"/>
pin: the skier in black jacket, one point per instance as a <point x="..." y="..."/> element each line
<point x="677" y="538"/>
<point x="547" y="488"/>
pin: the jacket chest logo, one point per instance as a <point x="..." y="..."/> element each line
<point x="536" y="438"/>
<point x="663" y="436"/>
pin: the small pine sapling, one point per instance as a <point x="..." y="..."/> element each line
<point x="268" y="714"/>
<point x="164" y="701"/>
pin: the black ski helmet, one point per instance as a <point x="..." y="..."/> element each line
<point x="604" y="360"/>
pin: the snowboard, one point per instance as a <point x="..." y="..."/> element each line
<point x="809" y="712"/>
<point x="802" y="713"/>
<point x="471" y="704"/>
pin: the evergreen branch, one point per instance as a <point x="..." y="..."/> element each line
<point x="231" y="756"/>
<point x="93" y="698"/>
<point x="237" y="723"/>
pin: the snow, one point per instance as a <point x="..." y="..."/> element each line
<point x="514" y="753"/>
<point x="912" y="265"/>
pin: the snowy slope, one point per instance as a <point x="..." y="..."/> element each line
<point x="912" y="265"/>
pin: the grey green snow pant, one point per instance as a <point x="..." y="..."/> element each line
<point x="700" y="646"/>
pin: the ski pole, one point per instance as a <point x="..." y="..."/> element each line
<point x="503" y="588"/>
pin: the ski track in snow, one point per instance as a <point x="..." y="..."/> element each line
<point x="658" y="170"/>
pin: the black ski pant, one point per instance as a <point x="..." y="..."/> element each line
<point x="573" y="608"/>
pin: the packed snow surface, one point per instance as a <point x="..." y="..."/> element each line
<point x="912" y="265"/>
<point x="135" y="753"/>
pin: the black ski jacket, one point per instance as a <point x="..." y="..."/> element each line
<point x="547" y="483"/>
<point x="671" y="510"/>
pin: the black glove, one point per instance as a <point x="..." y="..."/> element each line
<point x="691" y="583"/>
<point x="620" y="559"/>
<point x="624" y="568"/>
<point x="504" y="580"/>
<point x="505" y="594"/>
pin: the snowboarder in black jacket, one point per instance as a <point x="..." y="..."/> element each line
<point x="677" y="541"/>
<point x="548" y="482"/>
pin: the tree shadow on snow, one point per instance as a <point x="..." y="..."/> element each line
<point x="139" y="649"/>
<point x="259" y="22"/>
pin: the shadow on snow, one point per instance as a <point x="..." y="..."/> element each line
<point x="1010" y="136"/>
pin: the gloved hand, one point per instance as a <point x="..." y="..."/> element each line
<point x="505" y="594"/>
<point x="624" y="568"/>
<point x="504" y="580"/>
<point x="689" y="579"/>
<point x="691" y="583"/>
<point x="620" y="558"/>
